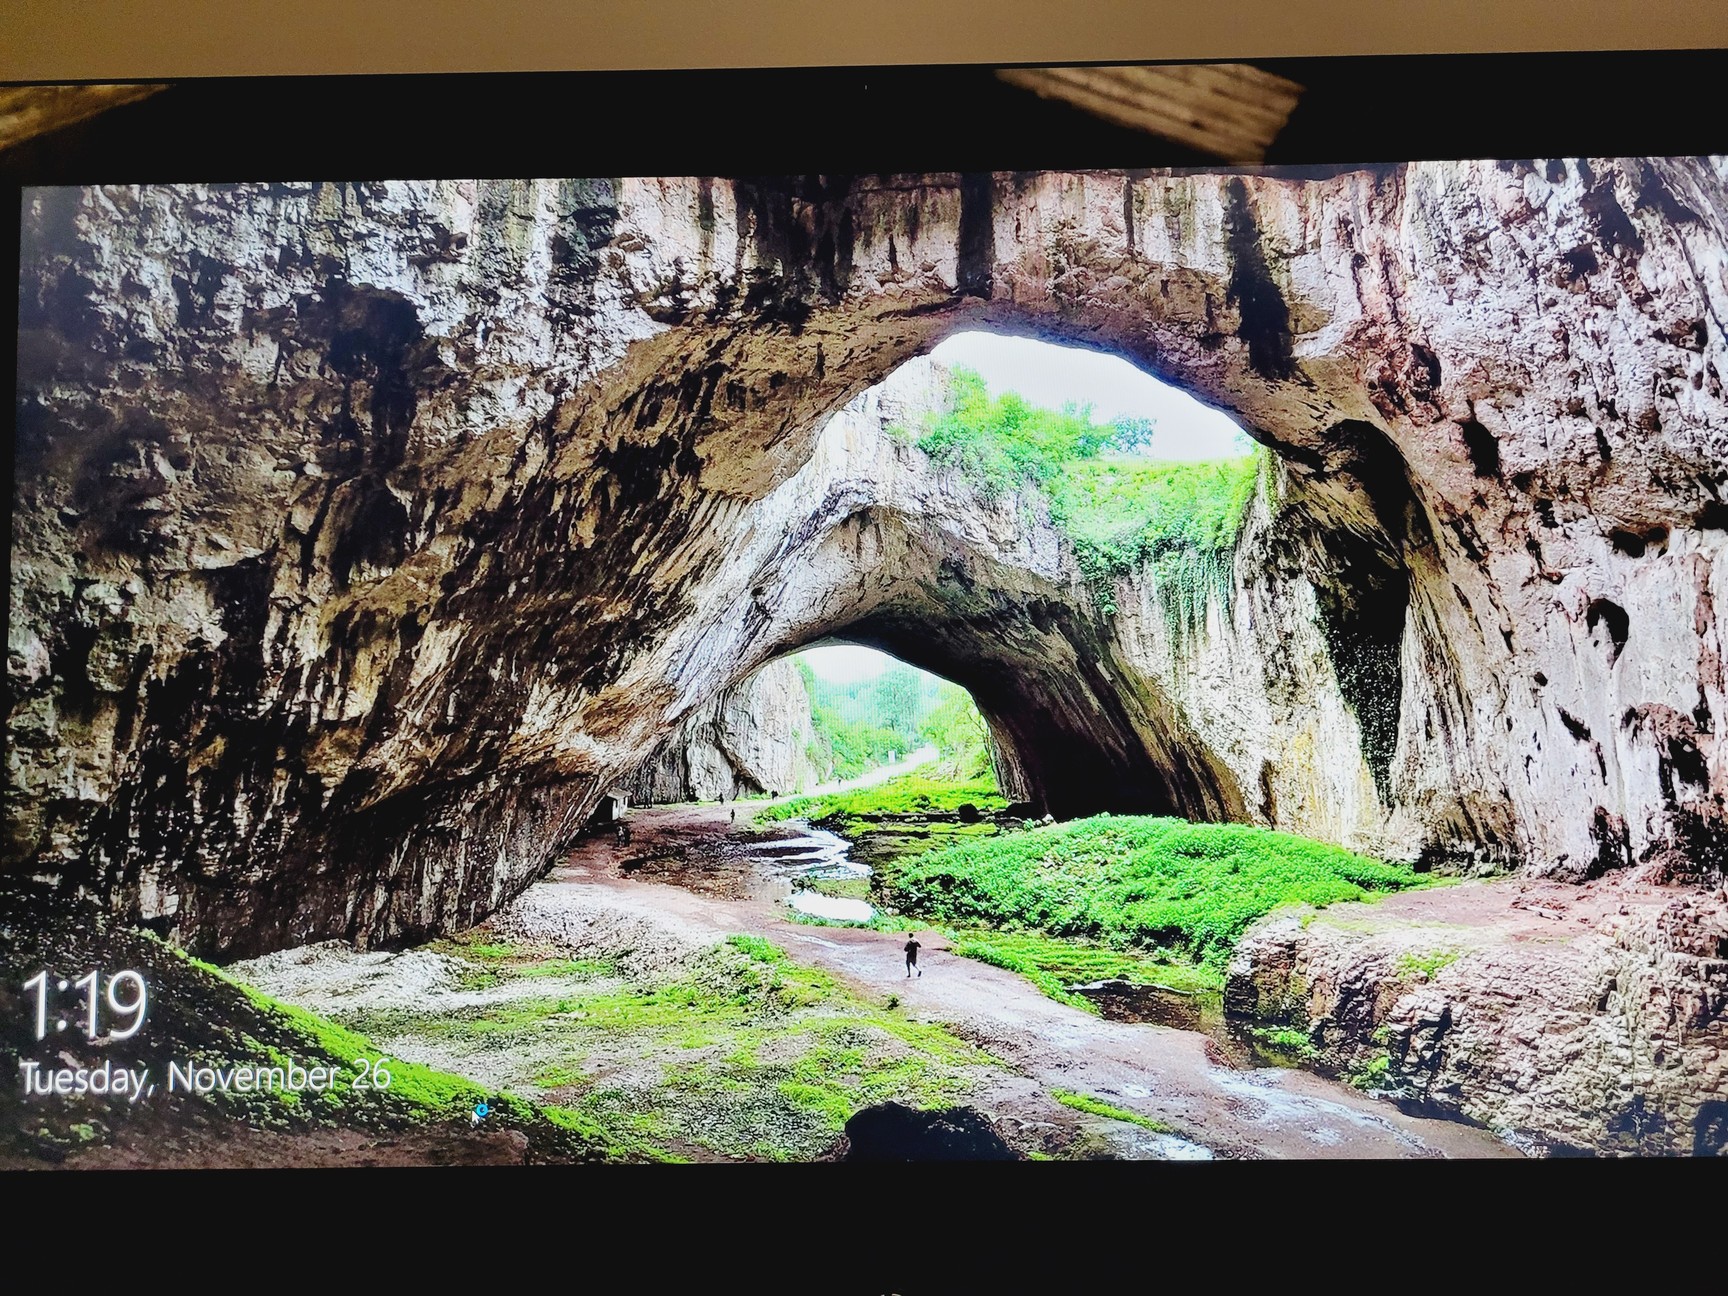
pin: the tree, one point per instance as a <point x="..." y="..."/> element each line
<point x="898" y="690"/>
<point x="959" y="732"/>
<point x="1133" y="435"/>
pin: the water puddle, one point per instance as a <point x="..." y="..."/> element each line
<point x="1148" y="1145"/>
<point x="834" y="908"/>
<point x="783" y="869"/>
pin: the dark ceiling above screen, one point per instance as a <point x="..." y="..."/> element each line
<point x="1345" y="110"/>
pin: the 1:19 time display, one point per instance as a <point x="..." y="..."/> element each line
<point x="121" y="1005"/>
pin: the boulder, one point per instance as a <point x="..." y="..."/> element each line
<point x="894" y="1132"/>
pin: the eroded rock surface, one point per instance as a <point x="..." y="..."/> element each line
<point x="365" y="533"/>
<point x="755" y="737"/>
<point x="1568" y="1018"/>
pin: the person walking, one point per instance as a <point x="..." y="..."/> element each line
<point x="912" y="955"/>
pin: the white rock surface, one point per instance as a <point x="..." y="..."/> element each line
<point x="755" y="737"/>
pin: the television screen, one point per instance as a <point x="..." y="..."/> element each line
<point x="1066" y="664"/>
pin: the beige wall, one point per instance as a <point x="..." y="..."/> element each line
<point x="58" y="40"/>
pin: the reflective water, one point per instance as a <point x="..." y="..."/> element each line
<point x="835" y="908"/>
<point x="783" y="868"/>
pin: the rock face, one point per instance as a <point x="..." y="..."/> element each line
<point x="755" y="737"/>
<point x="1571" y="1019"/>
<point x="894" y="1132"/>
<point x="364" y="534"/>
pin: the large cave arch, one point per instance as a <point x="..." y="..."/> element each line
<point x="872" y="543"/>
<point x="363" y="532"/>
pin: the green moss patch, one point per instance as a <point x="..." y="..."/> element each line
<point x="1054" y="965"/>
<point x="1159" y="886"/>
<point x="909" y="794"/>
<point x="746" y="1054"/>
<point x="1097" y="1107"/>
<point x="1429" y="963"/>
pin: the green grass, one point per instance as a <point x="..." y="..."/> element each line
<point x="1283" y="1039"/>
<point x="910" y="794"/>
<point x="745" y="1053"/>
<point x="1078" y="962"/>
<point x="986" y="950"/>
<point x="879" y="921"/>
<point x="1374" y="1072"/>
<point x="1428" y="964"/>
<point x="1097" y="1107"/>
<point x="425" y="1093"/>
<point x="487" y="963"/>
<point x="763" y="951"/>
<point x="1137" y="882"/>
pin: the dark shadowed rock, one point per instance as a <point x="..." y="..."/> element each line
<point x="895" y="1132"/>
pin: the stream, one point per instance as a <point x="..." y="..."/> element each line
<point x="781" y="870"/>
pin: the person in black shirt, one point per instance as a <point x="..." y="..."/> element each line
<point x="912" y="956"/>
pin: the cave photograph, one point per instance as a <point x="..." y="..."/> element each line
<point x="1165" y="664"/>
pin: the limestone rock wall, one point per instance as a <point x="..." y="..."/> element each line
<point x="755" y="737"/>
<point x="363" y="533"/>
<point x="1595" y="1022"/>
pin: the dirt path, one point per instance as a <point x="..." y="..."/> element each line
<point x="1174" y="1076"/>
<point x="881" y="774"/>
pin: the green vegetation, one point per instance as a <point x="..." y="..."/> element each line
<point x="860" y="725"/>
<point x="1282" y="1039"/>
<point x="879" y="922"/>
<point x="1097" y="1107"/>
<point x="486" y="964"/>
<point x="1144" y="883"/>
<point x="763" y="951"/>
<point x="1374" y="1072"/>
<point x="987" y="950"/>
<point x="1427" y="964"/>
<point x="741" y="1053"/>
<point x="956" y="729"/>
<point x="557" y="1076"/>
<point x="418" y="1091"/>
<point x="910" y="794"/>
<point x="1053" y="965"/>
<point x="1121" y="510"/>
<point x="1004" y="443"/>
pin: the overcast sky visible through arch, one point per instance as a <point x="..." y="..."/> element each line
<point x="1051" y="375"/>
<point x="1046" y="374"/>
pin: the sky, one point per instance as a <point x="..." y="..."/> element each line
<point x="1050" y="375"/>
<point x="843" y="663"/>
